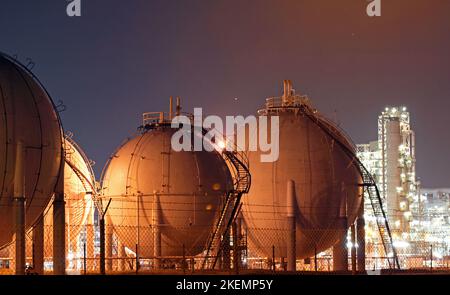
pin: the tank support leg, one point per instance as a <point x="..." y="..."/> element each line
<point x="340" y="250"/>
<point x="361" y="235"/>
<point x="38" y="246"/>
<point x="290" y="216"/>
<point x="156" y="233"/>
<point x="353" y="252"/>
<point x="19" y="210"/>
<point x="59" y="243"/>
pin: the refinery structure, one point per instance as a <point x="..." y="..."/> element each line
<point x="324" y="205"/>
<point x="419" y="218"/>
<point x="391" y="161"/>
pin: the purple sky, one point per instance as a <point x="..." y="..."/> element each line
<point x="124" y="57"/>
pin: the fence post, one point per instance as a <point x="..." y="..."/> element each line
<point x="137" y="259"/>
<point x="59" y="226"/>
<point x="273" y="258"/>
<point x="315" y="258"/>
<point x="84" y="257"/>
<point x="102" y="239"/>
<point x="102" y="245"/>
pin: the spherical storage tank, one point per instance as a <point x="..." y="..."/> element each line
<point x="79" y="185"/>
<point x="27" y="114"/>
<point x="154" y="188"/>
<point x="326" y="182"/>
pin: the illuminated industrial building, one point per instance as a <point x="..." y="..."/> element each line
<point x="391" y="160"/>
<point x="419" y="218"/>
<point x="430" y="228"/>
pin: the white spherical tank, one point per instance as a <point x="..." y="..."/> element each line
<point x="79" y="185"/>
<point x="154" y="187"/>
<point x="326" y="183"/>
<point x="27" y="114"/>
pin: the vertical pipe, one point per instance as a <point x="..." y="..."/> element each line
<point x="19" y="210"/>
<point x="291" y="242"/>
<point x="170" y="108"/>
<point x="353" y="249"/>
<point x="284" y="90"/>
<point x="59" y="226"/>
<point x="38" y="246"/>
<point x="178" y="109"/>
<point x="156" y="232"/>
<point x="340" y="250"/>
<point x="138" y="220"/>
<point x="287" y="88"/>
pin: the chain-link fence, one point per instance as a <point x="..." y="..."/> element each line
<point x="168" y="249"/>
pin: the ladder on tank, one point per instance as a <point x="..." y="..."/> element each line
<point x="368" y="184"/>
<point x="238" y="164"/>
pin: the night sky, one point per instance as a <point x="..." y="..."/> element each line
<point x="125" y="57"/>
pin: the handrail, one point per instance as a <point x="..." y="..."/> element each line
<point x="151" y="118"/>
<point x="237" y="162"/>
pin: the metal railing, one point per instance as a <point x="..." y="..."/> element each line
<point x="238" y="164"/>
<point x="291" y="101"/>
<point x="152" y="118"/>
